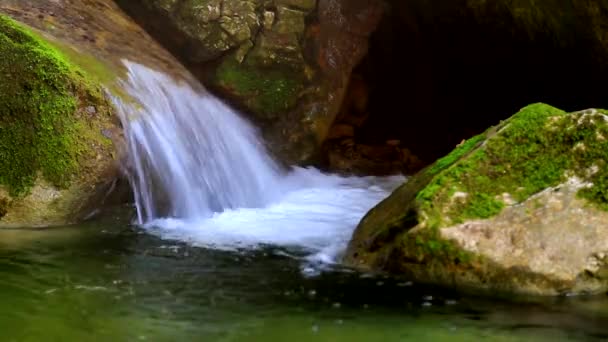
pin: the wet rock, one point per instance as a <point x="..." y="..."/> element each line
<point x="286" y="63"/>
<point x="63" y="158"/>
<point x="341" y="131"/>
<point x="520" y="208"/>
<point x="53" y="157"/>
<point x="95" y="34"/>
<point x="347" y="157"/>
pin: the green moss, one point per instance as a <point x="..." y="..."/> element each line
<point x="427" y="245"/>
<point x="482" y="206"/>
<point x="426" y="195"/>
<point x="96" y="71"/>
<point x="537" y="148"/>
<point x="40" y="94"/>
<point x="266" y="90"/>
<point x="459" y="152"/>
<point x="599" y="192"/>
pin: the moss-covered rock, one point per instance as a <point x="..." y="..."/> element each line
<point x="285" y="63"/>
<point x="519" y="208"/>
<point x="54" y="157"/>
<point x="267" y="90"/>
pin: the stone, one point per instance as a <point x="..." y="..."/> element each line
<point x="341" y="131"/>
<point x="518" y="209"/>
<point x="300" y="4"/>
<point x="269" y="20"/>
<point x="84" y="178"/>
<point x="348" y="157"/>
<point x="91" y="110"/>
<point x="290" y="21"/>
<point x="285" y="63"/>
<point x="55" y="161"/>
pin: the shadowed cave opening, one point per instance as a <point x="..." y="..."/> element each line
<point x="437" y="75"/>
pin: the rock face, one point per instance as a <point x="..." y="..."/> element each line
<point x="521" y="208"/>
<point x="96" y="34"/>
<point x="61" y="144"/>
<point x="285" y="62"/>
<point x="54" y="156"/>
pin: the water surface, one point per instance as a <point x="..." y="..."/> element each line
<point x="233" y="247"/>
<point x="110" y="281"/>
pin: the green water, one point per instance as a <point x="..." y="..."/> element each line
<point x="109" y="281"/>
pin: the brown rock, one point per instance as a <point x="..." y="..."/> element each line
<point x="286" y="63"/>
<point x="341" y="131"/>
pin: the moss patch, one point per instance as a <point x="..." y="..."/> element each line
<point x="41" y="99"/>
<point x="537" y="148"/>
<point x="266" y="90"/>
<point x="459" y="152"/>
<point x="96" y="70"/>
<point x="428" y="245"/>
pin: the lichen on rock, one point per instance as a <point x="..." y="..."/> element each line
<point x="502" y="211"/>
<point x="52" y="150"/>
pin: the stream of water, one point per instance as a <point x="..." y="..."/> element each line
<point x="229" y="246"/>
<point x="111" y="281"/>
<point x="202" y="175"/>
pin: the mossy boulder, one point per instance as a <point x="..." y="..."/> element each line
<point x="521" y="208"/>
<point x="284" y="63"/>
<point x="56" y="155"/>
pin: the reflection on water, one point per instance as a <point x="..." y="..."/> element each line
<point x="110" y="281"/>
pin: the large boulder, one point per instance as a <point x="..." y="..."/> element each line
<point x="521" y="208"/>
<point x="287" y="63"/>
<point x="61" y="144"/>
<point x="54" y="157"/>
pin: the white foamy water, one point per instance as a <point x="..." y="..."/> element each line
<point x="191" y="155"/>
<point x="201" y="175"/>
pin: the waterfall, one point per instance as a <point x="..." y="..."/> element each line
<point x="200" y="174"/>
<point x="191" y="155"/>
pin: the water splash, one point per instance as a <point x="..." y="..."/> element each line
<point x="191" y="155"/>
<point x="200" y="174"/>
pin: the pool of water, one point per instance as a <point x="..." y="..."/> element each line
<point x="109" y="280"/>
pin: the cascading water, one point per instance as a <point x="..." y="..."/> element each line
<point x="191" y="154"/>
<point x="200" y="174"/>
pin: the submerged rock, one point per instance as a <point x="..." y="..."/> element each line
<point x="55" y="162"/>
<point x="521" y="208"/>
<point x="285" y="62"/>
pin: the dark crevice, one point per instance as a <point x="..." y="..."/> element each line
<point x="436" y="75"/>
